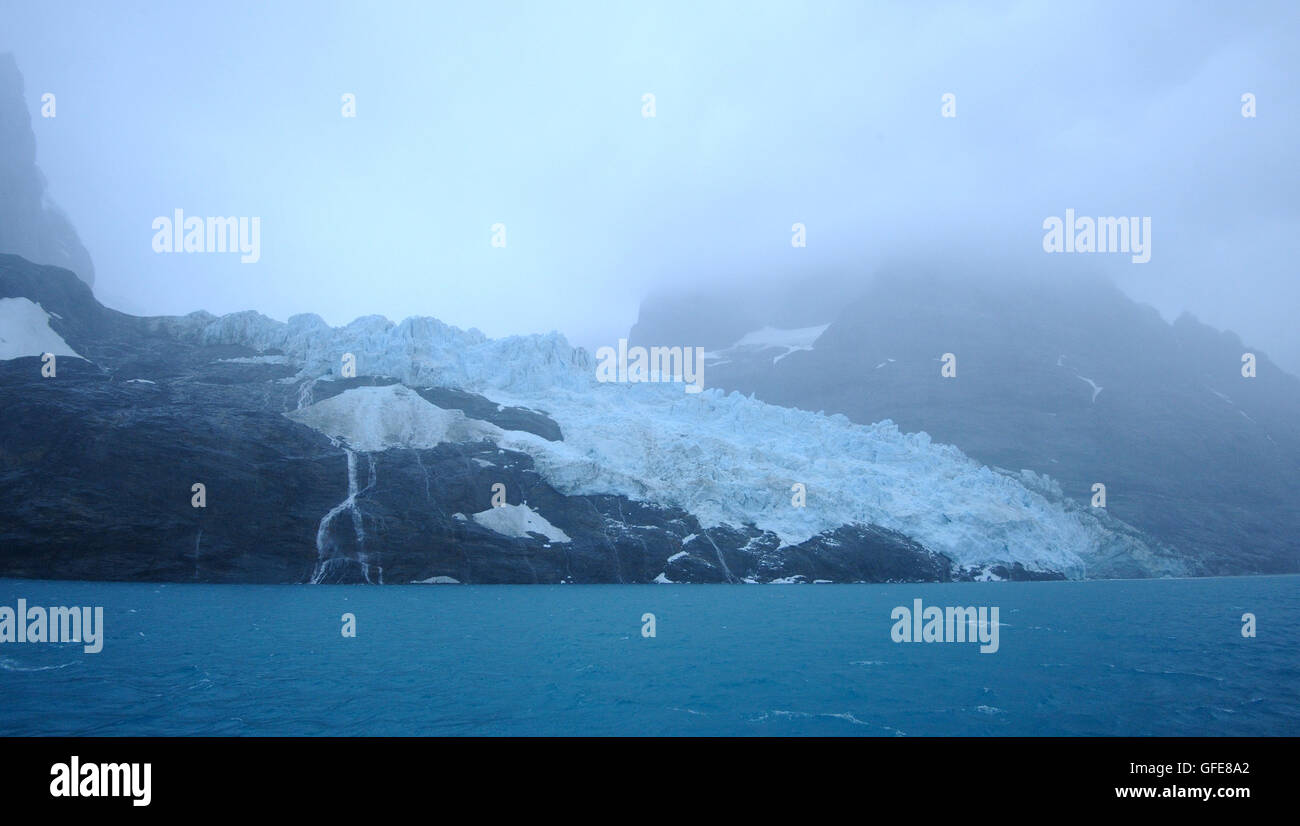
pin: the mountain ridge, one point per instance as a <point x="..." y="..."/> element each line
<point x="708" y="475"/>
<point x="30" y="224"/>
<point x="1073" y="379"/>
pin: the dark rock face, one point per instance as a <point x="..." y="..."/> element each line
<point x="507" y="418"/>
<point x="97" y="467"/>
<point x="1190" y="451"/>
<point x="30" y="225"/>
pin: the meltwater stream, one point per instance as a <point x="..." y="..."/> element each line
<point x="328" y="557"/>
<point x="1153" y="657"/>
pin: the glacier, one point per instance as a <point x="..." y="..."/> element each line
<point x="725" y="458"/>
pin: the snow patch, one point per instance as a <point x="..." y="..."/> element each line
<point x="25" y="331"/>
<point x="519" y="521"/>
<point x="379" y="418"/>
<point x="1095" y="388"/>
<point x="768" y="338"/>
<point x="256" y="360"/>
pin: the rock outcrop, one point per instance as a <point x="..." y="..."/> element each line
<point x="30" y="224"/>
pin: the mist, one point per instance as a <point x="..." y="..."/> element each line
<point x="765" y="115"/>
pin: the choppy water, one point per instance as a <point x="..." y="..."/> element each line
<point x="1076" y="658"/>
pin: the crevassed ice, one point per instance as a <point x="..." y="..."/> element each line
<point x="418" y="350"/>
<point x="728" y="459"/>
<point x="725" y="458"/>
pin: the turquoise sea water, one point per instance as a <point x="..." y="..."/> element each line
<point x="1159" y="657"/>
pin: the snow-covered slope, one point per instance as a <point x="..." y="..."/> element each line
<point x="378" y="418"/>
<point x="726" y="459"/>
<point x="25" y="331"/>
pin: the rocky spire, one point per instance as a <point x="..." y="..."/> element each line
<point x="30" y="225"/>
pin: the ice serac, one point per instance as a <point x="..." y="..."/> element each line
<point x="30" y="224"/>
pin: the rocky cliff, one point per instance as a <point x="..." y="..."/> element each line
<point x="30" y="224"/>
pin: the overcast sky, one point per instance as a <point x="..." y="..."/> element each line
<point x="767" y="114"/>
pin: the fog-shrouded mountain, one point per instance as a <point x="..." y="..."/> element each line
<point x="1067" y="378"/>
<point x="312" y="474"/>
<point x="30" y="224"/>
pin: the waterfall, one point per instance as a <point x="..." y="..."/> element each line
<point x="326" y="562"/>
<point x="198" y="539"/>
<point x="721" y="561"/>
<point x="306" y="393"/>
